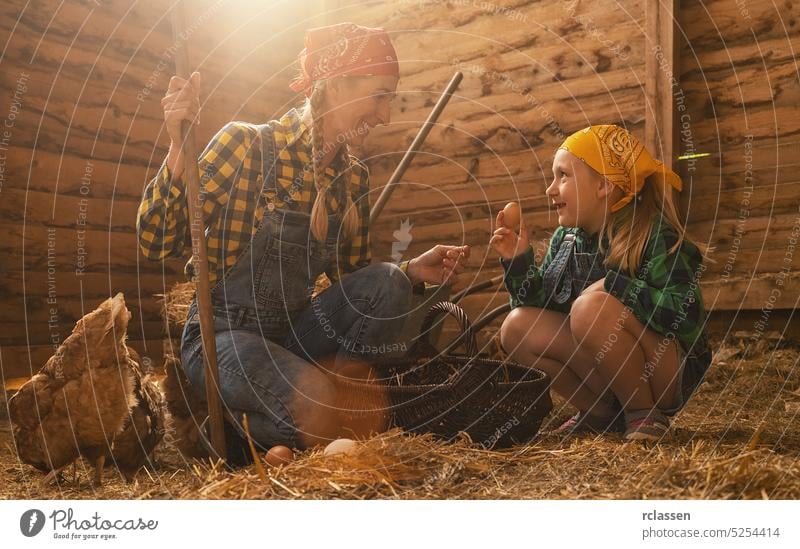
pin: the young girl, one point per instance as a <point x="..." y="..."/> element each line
<point x="614" y="314"/>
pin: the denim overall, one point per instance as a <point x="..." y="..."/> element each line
<point x="269" y="333"/>
<point x="571" y="272"/>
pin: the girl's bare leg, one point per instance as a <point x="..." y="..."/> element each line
<point x="639" y="365"/>
<point x="542" y="338"/>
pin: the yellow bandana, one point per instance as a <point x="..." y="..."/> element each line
<point x="616" y="154"/>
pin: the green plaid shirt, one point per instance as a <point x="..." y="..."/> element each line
<point x="664" y="295"/>
<point x="231" y="184"/>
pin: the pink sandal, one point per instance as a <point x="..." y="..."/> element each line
<point x="646" y="425"/>
<point x="587" y="423"/>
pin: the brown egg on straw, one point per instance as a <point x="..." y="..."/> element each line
<point x="279" y="455"/>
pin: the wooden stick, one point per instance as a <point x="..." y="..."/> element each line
<point x="256" y="458"/>
<point x="199" y="251"/>
<point x="444" y="98"/>
<point x="494" y="281"/>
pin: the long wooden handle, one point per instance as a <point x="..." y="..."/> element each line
<point x="199" y="252"/>
<point x="401" y="168"/>
<point x="494" y="281"/>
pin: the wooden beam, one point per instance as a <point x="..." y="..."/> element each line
<point x="323" y="13"/>
<point x="661" y="79"/>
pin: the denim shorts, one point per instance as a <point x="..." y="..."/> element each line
<point x="688" y="381"/>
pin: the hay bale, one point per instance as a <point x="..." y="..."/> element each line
<point x="736" y="439"/>
<point x="175" y="303"/>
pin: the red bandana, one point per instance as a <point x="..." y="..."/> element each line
<point x="345" y="49"/>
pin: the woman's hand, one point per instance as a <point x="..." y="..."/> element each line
<point x="505" y="241"/>
<point x="181" y="102"/>
<point x="438" y="264"/>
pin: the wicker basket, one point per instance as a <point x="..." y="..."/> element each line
<point x="497" y="403"/>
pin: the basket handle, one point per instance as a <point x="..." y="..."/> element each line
<point x="467" y="337"/>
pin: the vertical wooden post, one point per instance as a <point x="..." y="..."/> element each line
<point x="199" y="252"/>
<point x="319" y="12"/>
<point x="662" y="79"/>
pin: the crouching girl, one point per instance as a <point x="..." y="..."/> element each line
<point x="614" y="313"/>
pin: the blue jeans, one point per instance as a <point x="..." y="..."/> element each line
<point x="283" y="385"/>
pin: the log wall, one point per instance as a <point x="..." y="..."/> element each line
<point x="82" y="83"/>
<point x="82" y="134"/>
<point x="535" y="71"/>
<point x="739" y="73"/>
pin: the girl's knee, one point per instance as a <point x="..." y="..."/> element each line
<point x="531" y="329"/>
<point x="591" y="316"/>
<point x="512" y="331"/>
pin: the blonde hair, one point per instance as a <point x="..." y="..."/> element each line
<point x="629" y="229"/>
<point x="319" y="214"/>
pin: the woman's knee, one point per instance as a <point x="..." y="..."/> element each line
<point x="296" y="402"/>
<point x="393" y="292"/>
<point x="314" y="409"/>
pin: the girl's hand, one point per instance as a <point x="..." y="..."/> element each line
<point x="437" y="265"/>
<point x="505" y="241"/>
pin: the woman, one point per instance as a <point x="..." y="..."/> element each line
<point x="285" y="202"/>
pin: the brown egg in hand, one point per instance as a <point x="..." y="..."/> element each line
<point x="511" y="216"/>
<point x="279" y="455"/>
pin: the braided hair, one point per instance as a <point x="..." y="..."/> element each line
<point x="319" y="214"/>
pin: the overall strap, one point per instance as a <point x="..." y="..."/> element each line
<point x="269" y="157"/>
<point x="557" y="281"/>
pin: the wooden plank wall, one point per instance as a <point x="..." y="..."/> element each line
<point x="82" y="83"/>
<point x="533" y="73"/>
<point x="739" y="72"/>
<point x="535" y="70"/>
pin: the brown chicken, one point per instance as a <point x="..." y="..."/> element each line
<point x="187" y="411"/>
<point x="82" y="396"/>
<point x="133" y="446"/>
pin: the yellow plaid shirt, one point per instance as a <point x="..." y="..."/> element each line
<point x="231" y="183"/>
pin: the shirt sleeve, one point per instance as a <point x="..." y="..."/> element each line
<point x="162" y="219"/>
<point x="665" y="294"/>
<point x="523" y="278"/>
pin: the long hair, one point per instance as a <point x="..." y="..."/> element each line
<point x="628" y="230"/>
<point x="319" y="214"/>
